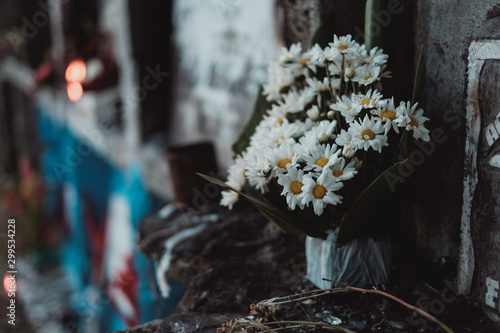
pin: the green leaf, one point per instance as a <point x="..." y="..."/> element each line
<point x="382" y="35"/>
<point x="286" y="222"/>
<point x="402" y="150"/>
<point x="259" y="110"/>
<point x="324" y="34"/>
<point x="418" y="85"/>
<point x="360" y="216"/>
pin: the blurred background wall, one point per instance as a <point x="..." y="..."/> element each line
<point x="93" y="94"/>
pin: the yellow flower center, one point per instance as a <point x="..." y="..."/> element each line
<point x="367" y="133"/>
<point x="413" y="122"/>
<point x="284" y="162"/>
<point x="304" y="62"/>
<point x="296" y="187"/>
<point x="342" y="47"/>
<point x="279" y="121"/>
<point x="366" y="101"/>
<point x="368" y="77"/>
<point x="321" y="161"/>
<point x="388" y="114"/>
<point x="319" y="191"/>
<point x="337" y="173"/>
<point x="278" y="139"/>
<point x="262" y="166"/>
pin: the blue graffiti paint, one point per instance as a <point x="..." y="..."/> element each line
<point x="82" y="181"/>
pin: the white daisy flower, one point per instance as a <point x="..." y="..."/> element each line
<point x="348" y="151"/>
<point x="344" y="140"/>
<point x="321" y="133"/>
<point x="307" y="124"/>
<point x="259" y="183"/>
<point x="229" y="198"/>
<point x="349" y="74"/>
<point x="321" y="192"/>
<point x="295" y="101"/>
<point x="367" y="133"/>
<point x="270" y="121"/>
<point x="257" y="165"/>
<point x="275" y="136"/>
<point x="279" y="81"/>
<point x="388" y="115"/>
<point x="376" y="56"/>
<point x="313" y="113"/>
<point x="367" y="101"/>
<point x="252" y="154"/>
<point x="353" y="58"/>
<point x="320" y="157"/>
<point x="366" y="74"/>
<point x="413" y="120"/>
<point x="319" y="55"/>
<point x="343" y="172"/>
<point x="292" y="187"/>
<point x="357" y="163"/>
<point x="324" y="130"/>
<point x="296" y="61"/>
<point x="303" y="126"/>
<point x="258" y="169"/>
<point x="282" y="158"/>
<point x="293" y="54"/>
<point x="319" y="86"/>
<point x="236" y="172"/>
<point x="335" y="66"/>
<point x="344" y="44"/>
<point x="278" y="110"/>
<point x="307" y="61"/>
<point x="347" y="109"/>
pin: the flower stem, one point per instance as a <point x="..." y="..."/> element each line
<point x="403" y="143"/>
<point x="330" y="82"/>
<point x="354" y="90"/>
<point x="342" y="74"/>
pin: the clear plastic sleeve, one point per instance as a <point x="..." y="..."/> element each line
<point x="363" y="262"/>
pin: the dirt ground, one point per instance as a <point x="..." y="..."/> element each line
<point x="242" y="260"/>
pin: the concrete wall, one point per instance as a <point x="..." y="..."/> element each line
<point x="455" y="204"/>
<point x="445" y="29"/>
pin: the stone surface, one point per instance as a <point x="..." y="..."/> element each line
<point x="151" y="327"/>
<point x="302" y="18"/>
<point x="445" y="29"/>
<point x="229" y="265"/>
<point x="485" y="215"/>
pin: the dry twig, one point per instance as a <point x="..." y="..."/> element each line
<point x="394" y="298"/>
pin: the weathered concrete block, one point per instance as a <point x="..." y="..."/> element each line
<point x="479" y="268"/>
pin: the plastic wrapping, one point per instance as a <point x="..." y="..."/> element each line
<point x="364" y="262"/>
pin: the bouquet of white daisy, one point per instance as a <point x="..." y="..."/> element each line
<point x="323" y="138"/>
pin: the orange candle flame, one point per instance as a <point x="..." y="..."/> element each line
<point x="76" y="71"/>
<point x="9" y="284"/>
<point x="75" y="91"/>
